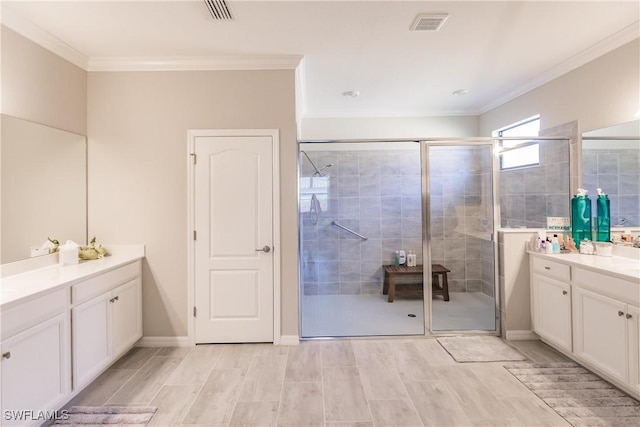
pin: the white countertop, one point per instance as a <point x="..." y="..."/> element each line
<point x="618" y="266"/>
<point x="29" y="284"/>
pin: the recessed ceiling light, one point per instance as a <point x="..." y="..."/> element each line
<point x="351" y="93"/>
<point x="460" y="92"/>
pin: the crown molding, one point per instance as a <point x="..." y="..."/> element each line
<point x="599" y="49"/>
<point x="43" y="38"/>
<point x="270" y="62"/>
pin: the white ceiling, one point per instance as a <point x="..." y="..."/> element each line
<point x="497" y="50"/>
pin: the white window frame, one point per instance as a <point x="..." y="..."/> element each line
<point x="525" y="148"/>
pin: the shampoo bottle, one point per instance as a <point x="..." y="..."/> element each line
<point x="580" y="217"/>
<point x="603" y="220"/>
<point x="402" y="257"/>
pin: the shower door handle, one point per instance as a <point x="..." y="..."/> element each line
<point x="265" y="249"/>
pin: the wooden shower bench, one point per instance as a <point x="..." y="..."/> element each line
<point x="437" y="270"/>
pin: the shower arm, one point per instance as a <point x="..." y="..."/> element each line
<point x="312" y="164"/>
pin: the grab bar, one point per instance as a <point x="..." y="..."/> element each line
<point x="349" y="230"/>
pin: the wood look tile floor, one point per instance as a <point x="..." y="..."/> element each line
<point x="338" y="383"/>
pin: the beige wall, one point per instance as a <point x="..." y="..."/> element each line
<point x="603" y="92"/>
<point x="41" y="87"/>
<point x="137" y="125"/>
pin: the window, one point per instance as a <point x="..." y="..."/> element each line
<point x="519" y="153"/>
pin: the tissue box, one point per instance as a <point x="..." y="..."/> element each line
<point x="68" y="256"/>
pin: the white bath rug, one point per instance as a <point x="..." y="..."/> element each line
<point x="479" y="349"/>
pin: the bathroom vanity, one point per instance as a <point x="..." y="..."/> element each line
<point x="588" y="307"/>
<point x="64" y="325"/>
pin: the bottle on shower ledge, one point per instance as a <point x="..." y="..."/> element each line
<point x="411" y="259"/>
<point x="402" y="257"/>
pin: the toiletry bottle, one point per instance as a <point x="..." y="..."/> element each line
<point x="411" y="259"/>
<point x="548" y="247"/>
<point x="555" y="244"/>
<point x="402" y="257"/>
<point x="396" y="258"/>
<point x="580" y="217"/>
<point x="603" y="221"/>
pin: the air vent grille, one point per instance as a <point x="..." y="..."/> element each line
<point x="429" y="22"/>
<point x="219" y="10"/>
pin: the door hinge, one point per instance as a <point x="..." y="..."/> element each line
<point x="193" y="156"/>
<point x="194" y="235"/>
<point x="194" y="311"/>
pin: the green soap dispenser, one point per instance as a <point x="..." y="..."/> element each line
<point x="603" y="220"/>
<point x="580" y="217"/>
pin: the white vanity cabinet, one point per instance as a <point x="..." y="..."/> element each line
<point x="551" y="302"/>
<point x="606" y="324"/>
<point x="585" y="308"/>
<point x="107" y="320"/>
<point x="61" y="327"/>
<point x="35" y="357"/>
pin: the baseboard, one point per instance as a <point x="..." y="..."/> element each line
<point x="521" y="336"/>
<point x="163" y="342"/>
<point x="289" y="340"/>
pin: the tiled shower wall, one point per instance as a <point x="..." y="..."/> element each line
<point x="376" y="193"/>
<point x="529" y="195"/>
<point x="461" y="216"/>
<point x="617" y="172"/>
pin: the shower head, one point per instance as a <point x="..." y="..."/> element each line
<point x="320" y="172"/>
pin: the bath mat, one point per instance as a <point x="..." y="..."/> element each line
<point x="130" y="416"/>
<point x="479" y="349"/>
<point x="577" y="395"/>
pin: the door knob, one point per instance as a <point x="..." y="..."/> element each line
<point x="264" y="249"/>
<point x="629" y="316"/>
<point x="620" y="313"/>
<point x="6" y="355"/>
<point x="564" y="292"/>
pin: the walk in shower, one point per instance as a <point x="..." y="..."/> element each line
<point x="358" y="204"/>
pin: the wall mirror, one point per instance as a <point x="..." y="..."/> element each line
<point x="44" y="187"/>
<point x="611" y="161"/>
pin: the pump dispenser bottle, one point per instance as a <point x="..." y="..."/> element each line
<point x="603" y="220"/>
<point x="580" y="217"/>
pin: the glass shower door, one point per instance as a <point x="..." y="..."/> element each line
<point x="460" y="207"/>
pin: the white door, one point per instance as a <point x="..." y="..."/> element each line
<point x="552" y="310"/>
<point x="126" y="319"/>
<point x="601" y="332"/>
<point x="234" y="264"/>
<point x="633" y="334"/>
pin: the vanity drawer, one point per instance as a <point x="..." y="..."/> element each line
<point x="552" y="269"/>
<point x="98" y="285"/>
<point x="613" y="287"/>
<point x="30" y="313"/>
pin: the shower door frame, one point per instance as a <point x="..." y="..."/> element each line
<point x="425" y="144"/>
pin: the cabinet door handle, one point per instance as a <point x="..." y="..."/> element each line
<point x="116" y="298"/>
<point x="6" y="355"/>
<point x="620" y="313"/>
<point x="629" y="316"/>
<point x="564" y="292"/>
<point x="547" y="268"/>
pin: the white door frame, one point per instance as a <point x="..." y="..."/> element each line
<point x="191" y="139"/>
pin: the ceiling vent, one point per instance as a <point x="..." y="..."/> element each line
<point x="219" y="10"/>
<point x="430" y="22"/>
